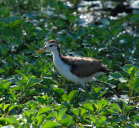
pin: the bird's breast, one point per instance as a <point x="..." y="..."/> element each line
<point x="64" y="69"/>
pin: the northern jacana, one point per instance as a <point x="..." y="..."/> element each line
<point x="76" y="69"/>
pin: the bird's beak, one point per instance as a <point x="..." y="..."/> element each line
<point x="42" y="50"/>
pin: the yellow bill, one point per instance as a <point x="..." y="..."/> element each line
<point x="40" y="51"/>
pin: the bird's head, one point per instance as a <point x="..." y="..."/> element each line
<point x="51" y="45"/>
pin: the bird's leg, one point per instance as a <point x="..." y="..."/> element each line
<point x="83" y="84"/>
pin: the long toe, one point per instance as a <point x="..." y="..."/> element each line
<point x="81" y="90"/>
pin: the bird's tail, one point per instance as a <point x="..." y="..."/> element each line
<point x="105" y="69"/>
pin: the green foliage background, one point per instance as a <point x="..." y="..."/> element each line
<point x="33" y="95"/>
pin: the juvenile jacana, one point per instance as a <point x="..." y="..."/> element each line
<point x="76" y="69"/>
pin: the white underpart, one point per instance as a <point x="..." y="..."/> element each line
<point x="64" y="69"/>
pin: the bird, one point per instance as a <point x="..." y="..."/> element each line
<point x="79" y="70"/>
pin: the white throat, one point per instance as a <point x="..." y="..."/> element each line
<point x="57" y="61"/>
<point x="56" y="56"/>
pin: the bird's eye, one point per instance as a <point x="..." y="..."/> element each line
<point x="51" y="46"/>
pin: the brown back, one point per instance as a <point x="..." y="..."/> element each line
<point x="85" y="66"/>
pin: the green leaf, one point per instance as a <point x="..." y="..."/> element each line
<point x="136" y="118"/>
<point x="101" y="104"/>
<point x="98" y="121"/>
<point x="72" y="95"/>
<point x="129" y="68"/>
<point x="101" y="121"/>
<point x="4" y="84"/>
<point x="6" y="106"/>
<point x="116" y="75"/>
<point x="67" y="120"/>
<point x="59" y="91"/>
<point x="115" y="108"/>
<point x="2" y="70"/>
<point x="83" y="111"/>
<point x="134" y="18"/>
<point x="9" y="120"/>
<point x="4" y="12"/>
<point x="65" y="98"/>
<point x="51" y="124"/>
<point x="88" y="106"/>
<point x="44" y="110"/>
<point x="76" y="111"/>
<point x="134" y="84"/>
<point x="60" y="114"/>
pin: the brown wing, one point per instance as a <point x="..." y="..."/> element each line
<point x="84" y="67"/>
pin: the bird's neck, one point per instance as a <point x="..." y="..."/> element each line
<point x="56" y="55"/>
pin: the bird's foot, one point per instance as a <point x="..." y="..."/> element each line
<point x="81" y="90"/>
